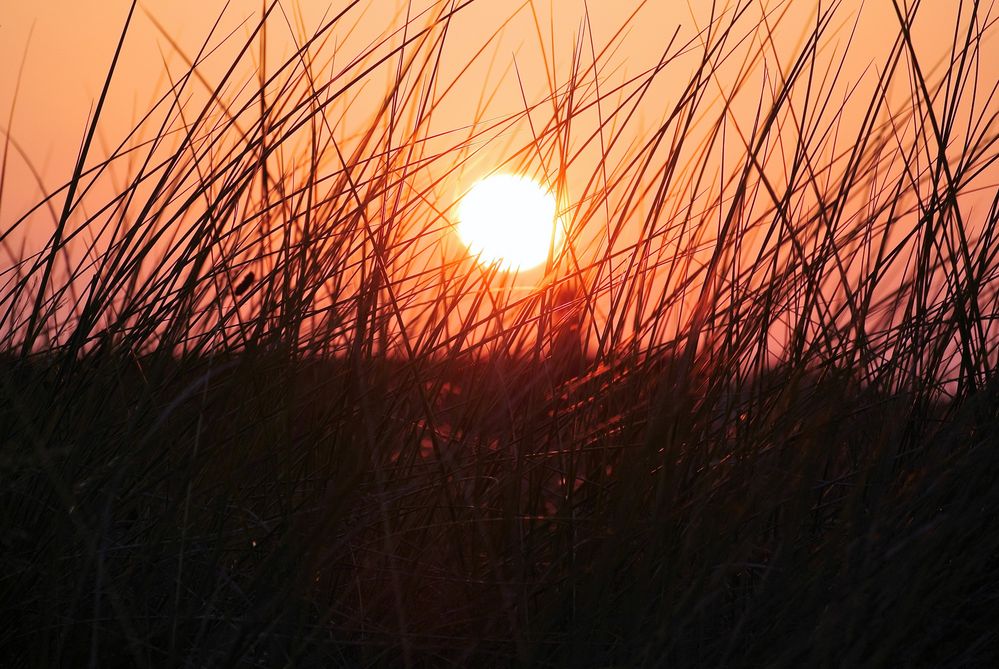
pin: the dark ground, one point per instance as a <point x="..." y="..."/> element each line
<point x="261" y="511"/>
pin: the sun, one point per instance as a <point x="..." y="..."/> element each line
<point x="511" y="221"/>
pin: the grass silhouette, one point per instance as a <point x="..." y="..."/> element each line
<point x="257" y="411"/>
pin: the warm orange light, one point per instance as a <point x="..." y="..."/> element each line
<point x="510" y="220"/>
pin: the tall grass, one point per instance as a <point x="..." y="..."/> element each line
<point x="259" y="408"/>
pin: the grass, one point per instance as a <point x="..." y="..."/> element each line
<point x="258" y="410"/>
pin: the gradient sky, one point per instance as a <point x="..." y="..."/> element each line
<point x="66" y="45"/>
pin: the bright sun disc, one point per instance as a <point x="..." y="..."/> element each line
<point x="509" y="220"/>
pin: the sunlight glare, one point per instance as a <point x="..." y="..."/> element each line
<point x="509" y="220"/>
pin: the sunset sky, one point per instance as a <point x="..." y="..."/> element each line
<point x="66" y="47"/>
<point x="497" y="60"/>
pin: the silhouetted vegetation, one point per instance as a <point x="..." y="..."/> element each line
<point x="254" y="411"/>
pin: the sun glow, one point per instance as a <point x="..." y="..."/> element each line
<point x="511" y="221"/>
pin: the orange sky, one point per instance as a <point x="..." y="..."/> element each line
<point x="71" y="44"/>
<point x="66" y="45"/>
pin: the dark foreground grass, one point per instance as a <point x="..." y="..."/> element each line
<point x="267" y="512"/>
<point x="255" y="410"/>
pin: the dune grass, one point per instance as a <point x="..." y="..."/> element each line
<point x="258" y="409"/>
